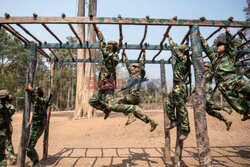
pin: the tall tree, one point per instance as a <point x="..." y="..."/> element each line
<point x="85" y="70"/>
<point x="89" y="67"/>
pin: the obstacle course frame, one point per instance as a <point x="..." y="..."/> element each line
<point x="199" y="103"/>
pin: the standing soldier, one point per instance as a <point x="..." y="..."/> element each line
<point x="9" y="145"/>
<point x="234" y="88"/>
<point x="107" y="75"/>
<point x="178" y="97"/>
<point x="136" y="76"/>
<point x="4" y="125"/>
<point x="37" y="122"/>
<point x="211" y="107"/>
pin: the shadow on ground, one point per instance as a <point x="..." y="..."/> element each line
<point x="146" y="156"/>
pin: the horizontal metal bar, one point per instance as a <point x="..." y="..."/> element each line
<point x="100" y="61"/>
<point x="115" y="20"/>
<point x="96" y="46"/>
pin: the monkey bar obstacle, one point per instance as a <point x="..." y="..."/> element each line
<point x="193" y="34"/>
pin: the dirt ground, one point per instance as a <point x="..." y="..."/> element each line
<point x="97" y="142"/>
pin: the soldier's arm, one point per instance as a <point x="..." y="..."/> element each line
<point x="12" y="110"/>
<point x="229" y="44"/>
<point x="175" y="49"/>
<point x="102" y="43"/>
<point x="142" y="63"/>
<point x="128" y="65"/>
<point x="116" y="58"/>
<point x="206" y="48"/>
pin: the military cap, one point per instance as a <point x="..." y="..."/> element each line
<point x="220" y="43"/>
<point x="112" y="43"/>
<point x="4" y="93"/>
<point x="136" y="65"/>
<point x="183" y="47"/>
<point x="39" y="89"/>
<point x="207" y="64"/>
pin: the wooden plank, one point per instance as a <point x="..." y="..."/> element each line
<point x="128" y="21"/>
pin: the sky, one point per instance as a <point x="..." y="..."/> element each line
<point x="183" y="9"/>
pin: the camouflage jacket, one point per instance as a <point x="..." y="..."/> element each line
<point x="4" y="119"/>
<point x="135" y="89"/>
<point x="11" y="109"/>
<point x="223" y="66"/>
<point x="180" y="68"/>
<point x="208" y="83"/>
<point x="109" y="63"/>
<point x="39" y="109"/>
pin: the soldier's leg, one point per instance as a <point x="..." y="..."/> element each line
<point x="233" y="98"/>
<point x="243" y="87"/>
<point x="170" y="107"/>
<point x="35" y="134"/>
<point x="3" y="160"/>
<point x="180" y="94"/>
<point x="210" y="108"/>
<point x="130" y="99"/>
<point x="9" y="146"/>
<point x="96" y="100"/>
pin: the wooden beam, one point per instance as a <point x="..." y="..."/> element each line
<point x="53" y="53"/>
<point x="214" y="33"/>
<point x="47" y="28"/>
<point x="15" y="34"/>
<point x="128" y="21"/>
<point x="186" y="37"/>
<point x="27" y="32"/>
<point x="243" y="29"/>
<point x="162" y="41"/>
<point x="73" y="30"/>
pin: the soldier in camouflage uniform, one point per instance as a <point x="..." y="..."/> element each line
<point x="234" y="88"/>
<point x="178" y="97"/>
<point x="4" y="125"/>
<point x="37" y="122"/>
<point x="132" y="91"/>
<point x="211" y="107"/>
<point x="9" y="145"/>
<point x="107" y="75"/>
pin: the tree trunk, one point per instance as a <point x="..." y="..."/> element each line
<point x="85" y="70"/>
<point x="68" y="98"/>
<point x="80" y="66"/>
<point x="90" y="67"/>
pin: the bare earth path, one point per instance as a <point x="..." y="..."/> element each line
<point x="98" y="142"/>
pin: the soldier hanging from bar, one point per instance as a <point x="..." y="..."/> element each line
<point x="234" y="88"/>
<point x="132" y="90"/>
<point x="5" y="121"/>
<point x="40" y="105"/>
<point x="178" y="97"/>
<point x="9" y="146"/>
<point x="103" y="98"/>
<point x="211" y="107"/>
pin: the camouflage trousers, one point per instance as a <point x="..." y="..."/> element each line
<point x="35" y="133"/>
<point x="135" y="100"/>
<point x="99" y="98"/>
<point x="9" y="145"/>
<point x="3" y="160"/>
<point x="177" y="100"/>
<point x="236" y="91"/>
<point x="212" y="108"/>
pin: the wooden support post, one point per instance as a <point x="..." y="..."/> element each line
<point x="199" y="102"/>
<point x="46" y="131"/>
<point x="167" y="147"/>
<point x="26" y="113"/>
